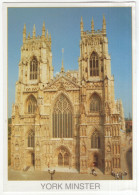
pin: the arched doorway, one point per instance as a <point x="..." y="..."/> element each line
<point x="95" y="160"/>
<point x="66" y="159"/>
<point x="32" y="159"/>
<point x="60" y="160"/>
<point x="63" y="157"/>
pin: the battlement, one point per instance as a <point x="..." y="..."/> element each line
<point x="45" y="37"/>
<point x="93" y="31"/>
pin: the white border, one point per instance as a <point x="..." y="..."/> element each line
<point x="29" y="186"/>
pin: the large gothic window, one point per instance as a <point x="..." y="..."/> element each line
<point x="95" y="104"/>
<point x="95" y="140"/>
<point x="31" y="139"/>
<point x="62" y="118"/>
<point x="94" y="65"/>
<point x="33" y="69"/>
<point x="31" y="105"/>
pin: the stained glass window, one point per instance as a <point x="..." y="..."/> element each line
<point x="62" y="118"/>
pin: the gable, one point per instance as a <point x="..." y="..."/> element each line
<point x="62" y="82"/>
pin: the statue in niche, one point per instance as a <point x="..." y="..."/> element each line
<point x="83" y="149"/>
<point x="108" y="149"/>
<point x="82" y="109"/>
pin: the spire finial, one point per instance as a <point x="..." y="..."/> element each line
<point x="62" y="67"/>
<point x="104" y="25"/>
<point x="104" y="21"/>
<point x="92" y="25"/>
<point x="34" y="31"/>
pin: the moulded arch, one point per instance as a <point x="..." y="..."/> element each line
<point x="57" y="97"/>
<point x="94" y="52"/>
<point x="96" y="128"/>
<point x="64" y="148"/>
<point x="33" y="57"/>
<point x="95" y="94"/>
<point x="31" y="96"/>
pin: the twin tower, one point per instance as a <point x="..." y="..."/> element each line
<point x="72" y="120"/>
<point x="93" y="45"/>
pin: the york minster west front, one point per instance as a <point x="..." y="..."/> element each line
<point x="71" y="121"/>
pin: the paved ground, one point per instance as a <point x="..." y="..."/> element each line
<point x="44" y="175"/>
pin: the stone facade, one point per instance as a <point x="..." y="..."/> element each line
<point x="71" y="120"/>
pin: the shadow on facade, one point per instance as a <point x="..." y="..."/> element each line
<point x="129" y="161"/>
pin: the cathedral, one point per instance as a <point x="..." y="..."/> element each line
<point x="71" y="121"/>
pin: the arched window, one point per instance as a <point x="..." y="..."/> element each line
<point x="95" y="104"/>
<point x="31" y="105"/>
<point x="94" y="64"/>
<point x="95" y="140"/>
<point x="33" y="69"/>
<point x="62" y="118"/>
<point x="31" y="139"/>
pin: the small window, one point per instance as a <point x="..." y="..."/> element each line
<point x="31" y="139"/>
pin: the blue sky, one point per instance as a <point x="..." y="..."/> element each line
<point x="64" y="26"/>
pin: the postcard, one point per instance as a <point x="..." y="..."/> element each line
<point x="69" y="116"/>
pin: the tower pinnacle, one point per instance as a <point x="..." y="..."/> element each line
<point x="43" y="30"/>
<point x="81" y="26"/>
<point x="92" y="25"/>
<point x="62" y="67"/>
<point x="104" y="25"/>
<point x="34" y="31"/>
<point x="24" y="33"/>
<point x="24" y="29"/>
<point x="47" y="34"/>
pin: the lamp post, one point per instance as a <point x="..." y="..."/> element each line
<point x="52" y="172"/>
